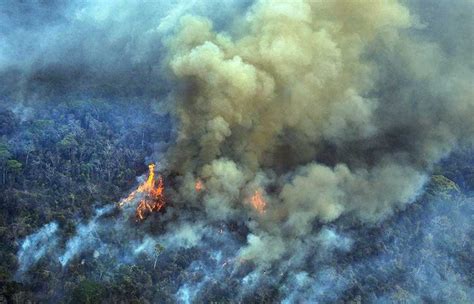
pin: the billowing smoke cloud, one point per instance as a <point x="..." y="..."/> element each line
<point x="332" y="108"/>
<point x="333" y="112"/>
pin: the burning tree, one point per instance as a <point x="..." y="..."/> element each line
<point x="150" y="195"/>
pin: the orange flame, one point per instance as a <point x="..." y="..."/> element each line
<point x="258" y="202"/>
<point x="150" y="193"/>
<point x="198" y="186"/>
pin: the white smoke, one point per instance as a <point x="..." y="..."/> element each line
<point x="37" y="245"/>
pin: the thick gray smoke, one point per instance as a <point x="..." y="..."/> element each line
<point x="300" y="118"/>
<point x="326" y="108"/>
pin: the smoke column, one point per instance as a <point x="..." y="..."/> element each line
<point x="305" y="123"/>
<point x="327" y="107"/>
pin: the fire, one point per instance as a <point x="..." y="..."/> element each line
<point x="150" y="194"/>
<point x="258" y="202"/>
<point x="198" y="186"/>
<point x="154" y="199"/>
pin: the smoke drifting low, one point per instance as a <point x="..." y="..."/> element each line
<point x="56" y="49"/>
<point x="332" y="112"/>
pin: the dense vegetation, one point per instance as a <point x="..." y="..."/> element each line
<point x="58" y="162"/>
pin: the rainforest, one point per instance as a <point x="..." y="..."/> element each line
<point x="238" y="151"/>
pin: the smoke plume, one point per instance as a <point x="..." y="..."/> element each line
<point x="307" y="124"/>
<point x="331" y="108"/>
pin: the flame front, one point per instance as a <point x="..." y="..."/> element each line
<point x="150" y="195"/>
<point x="258" y="202"/>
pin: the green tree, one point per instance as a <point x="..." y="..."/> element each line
<point x="158" y="250"/>
<point x="4" y="156"/>
<point x="8" y="122"/>
<point x="88" y="292"/>
<point x="14" y="167"/>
